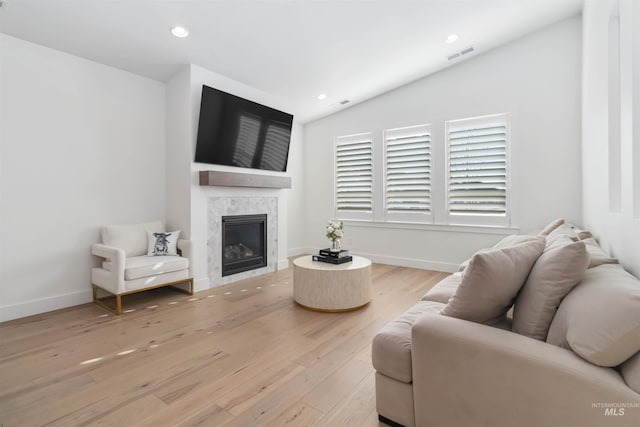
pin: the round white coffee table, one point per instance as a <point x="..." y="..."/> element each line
<point x="327" y="287"/>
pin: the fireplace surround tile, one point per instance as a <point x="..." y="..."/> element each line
<point x="217" y="207"/>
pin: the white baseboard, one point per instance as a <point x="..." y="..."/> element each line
<point x="283" y="264"/>
<point x="42" y="305"/>
<point x="201" y="284"/>
<point x="300" y="251"/>
<point x="422" y="264"/>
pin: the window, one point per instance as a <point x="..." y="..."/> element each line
<point x="477" y="167"/>
<point x="408" y="173"/>
<point x="453" y="172"/>
<point x="354" y="176"/>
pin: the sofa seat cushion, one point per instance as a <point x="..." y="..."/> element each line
<point x="444" y="289"/>
<point x="630" y="371"/>
<point x="144" y="266"/>
<point x="391" y="349"/>
<point x="600" y="318"/>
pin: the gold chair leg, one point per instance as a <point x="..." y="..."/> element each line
<point x="118" y="309"/>
<point x="97" y="301"/>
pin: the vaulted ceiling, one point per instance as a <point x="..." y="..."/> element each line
<point x="293" y="49"/>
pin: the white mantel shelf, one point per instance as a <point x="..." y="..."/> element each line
<point x="235" y="179"/>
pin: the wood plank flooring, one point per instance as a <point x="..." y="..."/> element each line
<point x="244" y="354"/>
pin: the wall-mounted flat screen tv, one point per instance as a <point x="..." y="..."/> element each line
<point x="234" y="131"/>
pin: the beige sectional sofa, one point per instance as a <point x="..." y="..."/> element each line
<point x="566" y="354"/>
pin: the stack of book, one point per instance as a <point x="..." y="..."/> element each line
<point x="333" y="257"/>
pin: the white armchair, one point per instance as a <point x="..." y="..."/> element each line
<point x="127" y="269"/>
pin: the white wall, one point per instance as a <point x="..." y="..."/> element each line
<point x="616" y="225"/>
<point x="536" y="79"/>
<point x="81" y="145"/>
<point x="182" y="139"/>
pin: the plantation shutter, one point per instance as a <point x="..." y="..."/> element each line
<point x="477" y="181"/>
<point x="354" y="173"/>
<point x="408" y="169"/>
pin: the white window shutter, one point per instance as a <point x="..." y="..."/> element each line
<point x="478" y="166"/>
<point x="354" y="175"/>
<point x="408" y="171"/>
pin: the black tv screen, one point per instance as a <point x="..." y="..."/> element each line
<point x="234" y="131"/>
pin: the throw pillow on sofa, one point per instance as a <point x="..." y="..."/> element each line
<point x="552" y="276"/>
<point x="491" y="282"/>
<point x="600" y="318"/>
<point x="508" y="241"/>
<point x="552" y="226"/>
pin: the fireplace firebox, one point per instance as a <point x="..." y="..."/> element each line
<point x="244" y="243"/>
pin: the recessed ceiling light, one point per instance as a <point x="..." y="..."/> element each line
<point x="451" y="38"/>
<point x="180" y="32"/>
<point x="322" y="96"/>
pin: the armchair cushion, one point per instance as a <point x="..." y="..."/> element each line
<point x="132" y="238"/>
<point x="143" y="266"/>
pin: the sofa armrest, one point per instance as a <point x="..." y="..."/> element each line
<point x="112" y="280"/>
<point x="468" y="374"/>
<point x="108" y="252"/>
<point x="186" y="246"/>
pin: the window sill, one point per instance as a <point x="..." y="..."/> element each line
<point x="481" y="229"/>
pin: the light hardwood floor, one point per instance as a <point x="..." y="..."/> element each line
<point x="240" y="355"/>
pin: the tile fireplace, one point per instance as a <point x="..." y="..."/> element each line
<point x="244" y="243"/>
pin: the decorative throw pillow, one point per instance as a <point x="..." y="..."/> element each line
<point x="491" y="282"/>
<point x="162" y="243"/>
<point x="564" y="230"/>
<point x="600" y="318"/>
<point x="552" y="226"/>
<point x="584" y="235"/>
<point x="510" y="240"/>
<point x="552" y="276"/>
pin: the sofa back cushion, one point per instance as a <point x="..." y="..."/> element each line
<point x="132" y="238"/>
<point x="553" y="275"/>
<point x="600" y="318"/>
<point x="597" y="256"/>
<point x="491" y="282"/>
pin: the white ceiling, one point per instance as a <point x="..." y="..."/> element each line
<point x="293" y="49"/>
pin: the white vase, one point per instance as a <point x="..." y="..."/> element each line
<point x="335" y="245"/>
